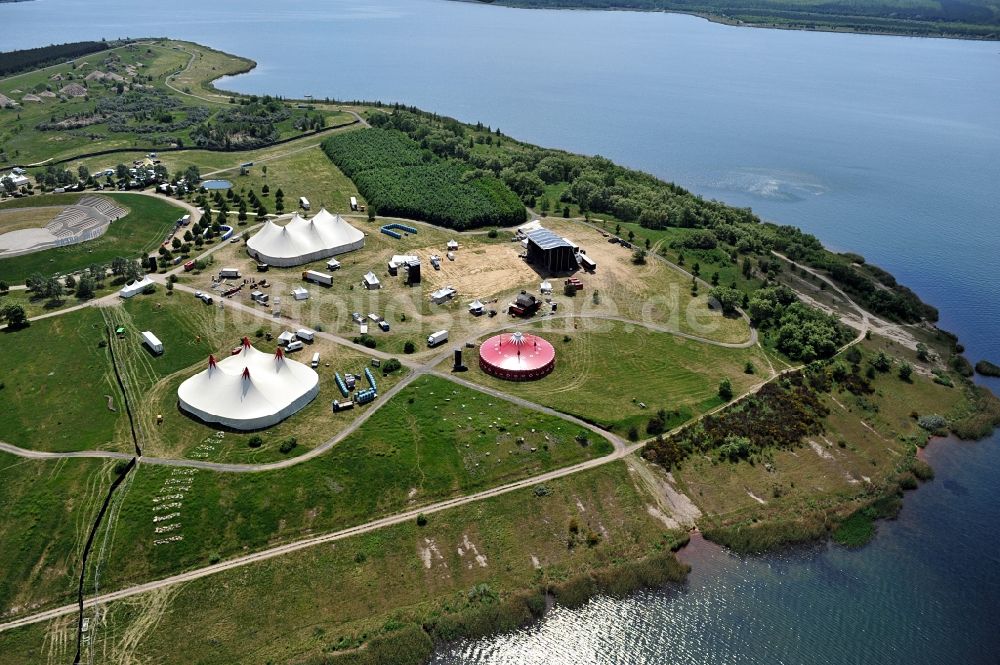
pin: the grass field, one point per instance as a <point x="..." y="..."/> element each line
<point x="48" y="510"/>
<point x="605" y="369"/>
<point x="56" y="380"/>
<point x="141" y="231"/>
<point x="432" y="441"/>
<point x="26" y="218"/>
<point x="338" y="596"/>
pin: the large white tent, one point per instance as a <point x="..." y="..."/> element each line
<point x="249" y="390"/>
<point x="304" y="240"/>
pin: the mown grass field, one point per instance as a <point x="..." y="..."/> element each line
<point x="49" y="507"/>
<point x="140" y="232"/>
<point x="339" y="596"/>
<point x="55" y="382"/>
<point x="604" y="369"/>
<point x="432" y="441"/>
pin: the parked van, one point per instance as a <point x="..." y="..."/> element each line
<point x="315" y="361"/>
<point x="295" y="346"/>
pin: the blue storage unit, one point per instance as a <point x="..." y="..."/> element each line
<point x="371" y="379"/>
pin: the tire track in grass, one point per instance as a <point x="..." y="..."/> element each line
<point x="116" y="483"/>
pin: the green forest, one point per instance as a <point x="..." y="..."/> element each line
<point x="399" y="179"/>
<point x="978" y="19"/>
<point x="12" y="62"/>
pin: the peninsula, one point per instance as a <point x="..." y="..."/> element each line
<point x="319" y="381"/>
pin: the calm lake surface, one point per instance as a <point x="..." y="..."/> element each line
<point x="886" y="146"/>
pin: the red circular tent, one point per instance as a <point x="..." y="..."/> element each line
<point x="517" y="356"/>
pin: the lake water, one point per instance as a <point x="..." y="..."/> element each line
<point x="883" y="145"/>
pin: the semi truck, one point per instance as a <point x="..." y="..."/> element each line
<point x="317" y="277"/>
<point x="439" y="337"/>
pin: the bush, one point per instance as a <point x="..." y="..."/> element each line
<point x="933" y="422"/>
<point x="409" y="347"/>
<point x="288" y="445"/>
<point x="366" y="340"/>
<point x="255" y="441"/>
<point x="421" y="520"/>
<point x="389" y="366"/>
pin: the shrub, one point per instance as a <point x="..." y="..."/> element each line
<point x="421" y="520"/>
<point x="389" y="366"/>
<point x="726" y="389"/>
<point x="409" y="347"/>
<point x="255" y="441"/>
<point x="366" y="340"/>
<point x="288" y="445"/>
<point x="933" y="422"/>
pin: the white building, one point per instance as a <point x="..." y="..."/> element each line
<point x="300" y="293"/>
<point x="250" y="390"/>
<point x="304" y="240"/>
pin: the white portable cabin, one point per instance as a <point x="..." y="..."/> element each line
<point x="587" y="263"/>
<point x="229" y="273"/>
<point x="304" y="202"/>
<point x="370" y="281"/>
<point x="305" y="334"/>
<point x="152" y="341"/>
<point x="354" y="203"/>
<point x="300" y="293"/>
<point x="135" y="288"/>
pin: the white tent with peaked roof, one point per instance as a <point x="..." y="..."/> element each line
<point x="304" y="240"/>
<point x="250" y="390"/>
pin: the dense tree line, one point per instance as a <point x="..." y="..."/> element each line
<point x="966" y="17"/>
<point x="398" y="178"/>
<point x="12" y="62"/>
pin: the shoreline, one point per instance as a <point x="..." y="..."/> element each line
<point x="737" y="23"/>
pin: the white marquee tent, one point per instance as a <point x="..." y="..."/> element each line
<point x="304" y="240"/>
<point x="250" y="390"/>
